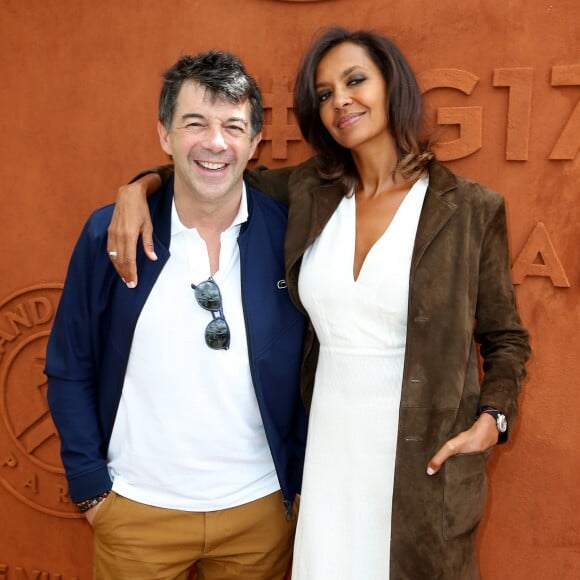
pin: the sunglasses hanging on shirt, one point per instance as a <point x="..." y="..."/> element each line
<point x="217" y="332"/>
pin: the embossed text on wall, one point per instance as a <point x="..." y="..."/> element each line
<point x="30" y="467"/>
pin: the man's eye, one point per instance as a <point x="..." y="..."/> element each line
<point x="235" y="129"/>
<point x="192" y="125"/>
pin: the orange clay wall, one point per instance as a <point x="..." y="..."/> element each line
<point x="78" y="97"/>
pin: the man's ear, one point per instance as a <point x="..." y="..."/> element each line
<point x="164" y="138"/>
<point x="254" y="145"/>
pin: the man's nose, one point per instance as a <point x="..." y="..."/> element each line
<point x="215" y="140"/>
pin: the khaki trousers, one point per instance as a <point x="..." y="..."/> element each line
<point x="134" y="541"/>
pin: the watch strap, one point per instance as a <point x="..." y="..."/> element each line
<point x="495" y="413"/>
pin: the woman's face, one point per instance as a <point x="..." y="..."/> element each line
<point x="352" y="96"/>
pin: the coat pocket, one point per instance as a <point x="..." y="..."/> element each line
<point x="464" y="493"/>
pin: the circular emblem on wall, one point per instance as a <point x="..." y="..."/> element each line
<point x="30" y="467"/>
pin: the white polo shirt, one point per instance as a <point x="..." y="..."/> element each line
<point x="188" y="433"/>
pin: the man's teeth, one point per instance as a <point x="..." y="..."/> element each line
<point x="212" y="166"/>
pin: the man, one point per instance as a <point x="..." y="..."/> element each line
<point x="177" y="403"/>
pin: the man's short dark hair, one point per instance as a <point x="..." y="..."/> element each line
<point x="222" y="74"/>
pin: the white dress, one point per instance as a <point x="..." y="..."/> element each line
<point x="344" y="524"/>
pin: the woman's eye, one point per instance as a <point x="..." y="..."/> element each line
<point x="356" y="81"/>
<point x="323" y="96"/>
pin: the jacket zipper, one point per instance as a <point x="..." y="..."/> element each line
<point x="288" y="506"/>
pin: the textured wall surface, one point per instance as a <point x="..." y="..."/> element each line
<point x="78" y="99"/>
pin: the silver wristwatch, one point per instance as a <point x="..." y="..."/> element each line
<point x="500" y="419"/>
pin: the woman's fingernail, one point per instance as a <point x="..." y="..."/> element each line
<point x="131" y="285"/>
<point x="430" y="471"/>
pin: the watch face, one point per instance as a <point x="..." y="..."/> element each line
<point x="501" y="423"/>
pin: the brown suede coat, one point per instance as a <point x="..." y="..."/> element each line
<point x="460" y="294"/>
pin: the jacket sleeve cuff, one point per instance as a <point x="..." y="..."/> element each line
<point x="90" y="485"/>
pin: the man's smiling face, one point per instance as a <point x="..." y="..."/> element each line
<point x="210" y="141"/>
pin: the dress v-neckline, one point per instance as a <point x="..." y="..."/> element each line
<point x="379" y="240"/>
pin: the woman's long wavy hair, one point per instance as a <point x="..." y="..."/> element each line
<point x="404" y="106"/>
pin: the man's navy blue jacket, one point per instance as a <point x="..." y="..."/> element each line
<point x="92" y="333"/>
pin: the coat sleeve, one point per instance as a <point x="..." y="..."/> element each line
<point x="72" y="371"/>
<point x="504" y="344"/>
<point x="165" y="172"/>
<point x="273" y="182"/>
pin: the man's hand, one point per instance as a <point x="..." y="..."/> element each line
<point x="482" y="435"/>
<point x="90" y="514"/>
<point x="130" y="219"/>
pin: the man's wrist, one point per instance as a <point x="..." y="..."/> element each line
<point x="87" y="504"/>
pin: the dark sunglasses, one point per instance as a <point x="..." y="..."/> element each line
<point x="217" y="332"/>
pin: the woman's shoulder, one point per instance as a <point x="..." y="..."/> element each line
<point x="263" y="175"/>
<point x="462" y="190"/>
<point x="306" y="176"/>
<point x="283" y="182"/>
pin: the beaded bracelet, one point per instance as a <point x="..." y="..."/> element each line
<point x="87" y="504"/>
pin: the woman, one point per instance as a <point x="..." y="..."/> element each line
<point x="402" y="268"/>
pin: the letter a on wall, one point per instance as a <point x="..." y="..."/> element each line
<point x="538" y="258"/>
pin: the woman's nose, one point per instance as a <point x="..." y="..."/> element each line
<point x="341" y="99"/>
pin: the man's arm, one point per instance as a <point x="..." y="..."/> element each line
<point x="72" y="373"/>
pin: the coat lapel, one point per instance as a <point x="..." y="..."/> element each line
<point x="307" y="216"/>
<point x="437" y="209"/>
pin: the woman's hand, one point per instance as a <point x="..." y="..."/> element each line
<point x="130" y="219"/>
<point x="482" y="435"/>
